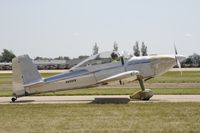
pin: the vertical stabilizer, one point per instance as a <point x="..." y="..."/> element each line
<point x="24" y="72"/>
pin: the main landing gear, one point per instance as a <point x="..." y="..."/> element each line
<point x="13" y="99"/>
<point x="144" y="94"/>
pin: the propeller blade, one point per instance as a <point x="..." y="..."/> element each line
<point x="177" y="59"/>
<point x="179" y="66"/>
<point x="175" y="50"/>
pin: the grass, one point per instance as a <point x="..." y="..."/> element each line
<point x="169" y="77"/>
<point x="6" y="78"/>
<point x="133" y="117"/>
<point x="126" y="91"/>
<point x="175" y="77"/>
<point x="115" y="91"/>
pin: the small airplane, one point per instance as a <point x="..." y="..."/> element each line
<point x="97" y="70"/>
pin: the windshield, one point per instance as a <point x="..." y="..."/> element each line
<point x="98" y="59"/>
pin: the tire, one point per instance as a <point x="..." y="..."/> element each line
<point x="13" y="99"/>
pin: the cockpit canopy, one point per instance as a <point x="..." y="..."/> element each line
<point x="98" y="59"/>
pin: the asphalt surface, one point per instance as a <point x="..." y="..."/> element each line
<point x="97" y="99"/>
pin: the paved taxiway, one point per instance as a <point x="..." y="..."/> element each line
<point x="98" y="99"/>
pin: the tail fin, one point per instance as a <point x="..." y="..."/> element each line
<point x="24" y="72"/>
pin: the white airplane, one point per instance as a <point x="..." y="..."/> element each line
<point x="97" y="70"/>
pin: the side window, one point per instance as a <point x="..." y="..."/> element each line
<point x="97" y="61"/>
<point x="105" y="60"/>
<point x="102" y="58"/>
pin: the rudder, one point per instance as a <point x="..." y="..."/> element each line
<point x="24" y="72"/>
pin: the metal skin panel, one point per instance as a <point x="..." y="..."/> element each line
<point x="120" y="76"/>
<point x="68" y="84"/>
<point x="18" y="89"/>
<point x="143" y="65"/>
<point x="24" y="72"/>
<point x="162" y="64"/>
<point x="87" y="76"/>
<point x="151" y="66"/>
<point x="67" y="75"/>
<point x="107" y="70"/>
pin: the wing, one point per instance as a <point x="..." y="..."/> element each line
<point x="119" y="76"/>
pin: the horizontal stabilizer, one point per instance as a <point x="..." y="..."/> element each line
<point x="35" y="84"/>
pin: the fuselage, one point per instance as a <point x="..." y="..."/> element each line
<point x="97" y="68"/>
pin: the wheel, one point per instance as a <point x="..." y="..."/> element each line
<point x="13" y="99"/>
<point x="142" y="95"/>
<point x="145" y="99"/>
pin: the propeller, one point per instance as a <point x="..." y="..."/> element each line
<point x="177" y="60"/>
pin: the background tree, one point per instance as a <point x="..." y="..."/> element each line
<point x="42" y="58"/>
<point x="59" y="58"/>
<point x="192" y="61"/>
<point x="196" y="59"/>
<point x="144" y="49"/>
<point x="115" y="46"/>
<point x="7" y="56"/>
<point x="83" y="56"/>
<point x="62" y="58"/>
<point x="189" y="62"/>
<point x="95" y="49"/>
<point x="38" y="58"/>
<point x="136" y="49"/>
<point x="0" y="58"/>
<point x="66" y="58"/>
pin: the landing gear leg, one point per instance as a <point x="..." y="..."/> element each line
<point x="13" y="99"/>
<point x="143" y="94"/>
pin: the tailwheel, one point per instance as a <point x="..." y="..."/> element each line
<point x="142" y="95"/>
<point x="13" y="99"/>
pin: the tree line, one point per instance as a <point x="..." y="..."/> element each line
<point x="7" y="56"/>
<point x="136" y="49"/>
<point x="191" y="61"/>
